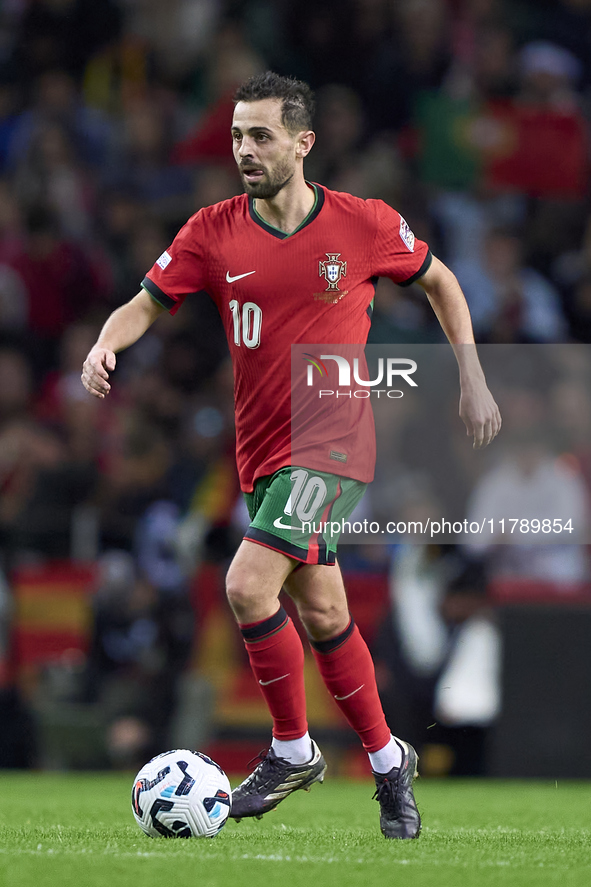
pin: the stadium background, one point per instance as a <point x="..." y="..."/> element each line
<point x="117" y="518"/>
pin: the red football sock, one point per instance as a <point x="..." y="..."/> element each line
<point x="276" y="657"/>
<point x="347" y="669"/>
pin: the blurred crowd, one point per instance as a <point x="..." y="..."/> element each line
<point x="471" y="117"/>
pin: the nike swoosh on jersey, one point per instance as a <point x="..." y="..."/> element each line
<point x="281" y="526"/>
<point x="238" y="276"/>
<point x="340" y="698"/>
<point x="272" y="681"/>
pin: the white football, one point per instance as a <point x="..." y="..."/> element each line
<point x="181" y="794"/>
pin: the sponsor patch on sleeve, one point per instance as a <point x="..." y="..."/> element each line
<point x="165" y="259"/>
<point x="406" y="235"/>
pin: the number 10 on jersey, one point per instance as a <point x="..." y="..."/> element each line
<point x="247" y="323"/>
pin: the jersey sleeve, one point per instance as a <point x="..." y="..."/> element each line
<point x="397" y="253"/>
<point x="181" y="270"/>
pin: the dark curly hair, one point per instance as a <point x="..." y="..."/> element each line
<point x="297" y="109"/>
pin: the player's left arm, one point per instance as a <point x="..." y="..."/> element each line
<point x="478" y="409"/>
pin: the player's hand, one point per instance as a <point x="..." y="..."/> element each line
<point x="479" y="413"/>
<point x="95" y="371"/>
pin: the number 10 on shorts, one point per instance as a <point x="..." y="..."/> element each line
<point x="308" y="494"/>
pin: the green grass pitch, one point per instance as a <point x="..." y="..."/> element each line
<point x="67" y="830"/>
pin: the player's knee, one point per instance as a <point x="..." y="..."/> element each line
<point x="238" y="592"/>
<point x="243" y="591"/>
<point x="323" y="621"/>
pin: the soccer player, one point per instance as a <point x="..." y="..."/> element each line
<point x="263" y="258"/>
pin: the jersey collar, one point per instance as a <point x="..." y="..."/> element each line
<point x="283" y="235"/>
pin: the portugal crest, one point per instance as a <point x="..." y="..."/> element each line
<point x="332" y="270"/>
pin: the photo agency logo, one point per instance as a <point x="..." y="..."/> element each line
<point x="391" y="371"/>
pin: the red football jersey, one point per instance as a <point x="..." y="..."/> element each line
<point x="274" y="290"/>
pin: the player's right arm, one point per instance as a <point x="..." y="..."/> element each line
<point x="125" y="326"/>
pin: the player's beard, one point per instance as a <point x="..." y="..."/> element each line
<point x="271" y="183"/>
